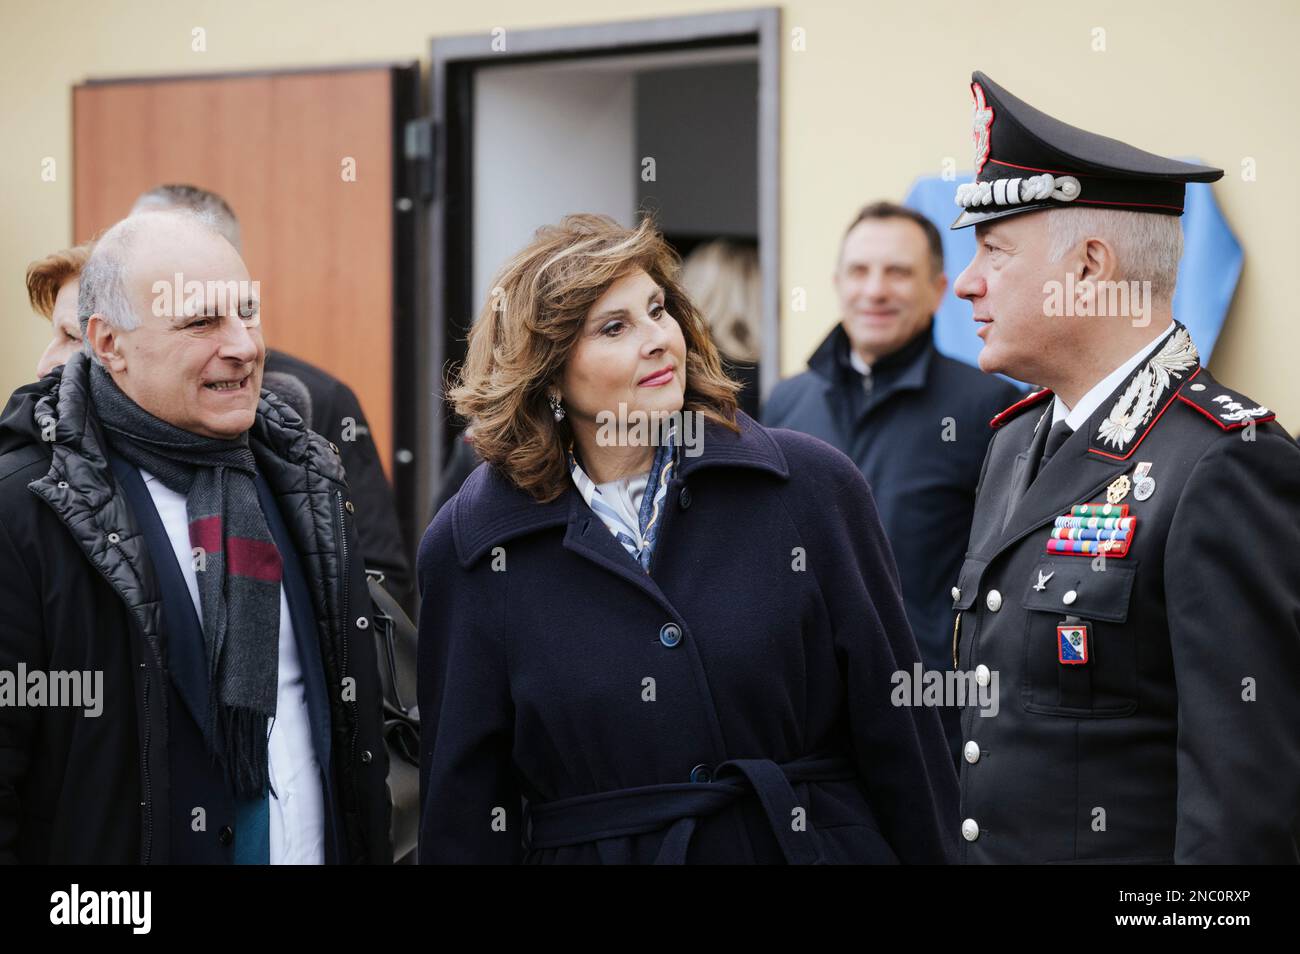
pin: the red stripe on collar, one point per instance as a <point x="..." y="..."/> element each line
<point x="1003" y="416"/>
<point x="1141" y="437"/>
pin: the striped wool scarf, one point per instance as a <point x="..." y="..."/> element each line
<point x="238" y="569"/>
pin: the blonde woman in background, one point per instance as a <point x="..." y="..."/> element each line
<point x="722" y="278"/>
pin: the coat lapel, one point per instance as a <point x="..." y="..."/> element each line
<point x="588" y="537"/>
<point x="1022" y="472"/>
<point x="489" y="510"/>
<point x="183" y="639"/>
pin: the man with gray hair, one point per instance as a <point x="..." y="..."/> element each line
<point x="325" y="402"/>
<point x="1131" y="574"/>
<point x="166" y="522"/>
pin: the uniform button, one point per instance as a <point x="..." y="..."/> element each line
<point x="970" y="829"/>
<point x="348" y="506"/>
<point x="684" y="498"/>
<point x="1069" y="598"/>
<point x="982" y="674"/>
<point x="993" y="601"/>
<point x="366" y="757"/>
<point x="670" y="635"/>
<point x="226" y="835"/>
<point x="972" y="752"/>
<point x="956" y="593"/>
<point x="701" y="773"/>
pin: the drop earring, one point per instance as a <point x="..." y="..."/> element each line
<point x="556" y="407"/>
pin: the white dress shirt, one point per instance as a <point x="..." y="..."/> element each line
<point x="1078" y="415"/>
<point x="861" y="367"/>
<point x="297" y="805"/>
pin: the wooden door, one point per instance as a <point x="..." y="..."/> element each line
<point x="281" y="148"/>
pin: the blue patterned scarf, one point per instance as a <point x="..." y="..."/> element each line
<point x="652" y="501"/>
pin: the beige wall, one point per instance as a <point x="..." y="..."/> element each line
<point x="878" y="95"/>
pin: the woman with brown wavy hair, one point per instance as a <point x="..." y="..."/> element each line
<point x="652" y="629"/>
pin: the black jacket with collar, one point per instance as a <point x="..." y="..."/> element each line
<point x="79" y="592"/>
<point x="336" y="415"/>
<point x="1175" y="740"/>
<point x="919" y="438"/>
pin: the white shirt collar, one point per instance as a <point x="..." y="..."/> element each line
<point x="1078" y="415"/>
<point x="859" y="365"/>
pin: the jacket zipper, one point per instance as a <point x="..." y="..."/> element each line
<point x="148" y="786"/>
<point x="347" y="619"/>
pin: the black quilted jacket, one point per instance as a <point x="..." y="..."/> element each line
<point x="79" y="592"/>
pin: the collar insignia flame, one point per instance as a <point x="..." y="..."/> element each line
<point x="1138" y="402"/>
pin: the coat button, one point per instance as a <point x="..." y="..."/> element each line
<point x="63" y="485"/>
<point x="684" y="498"/>
<point x="366" y="757"/>
<point x="1069" y="598"/>
<point x="970" y="829"/>
<point x="972" y="752"/>
<point x="670" y="635"/>
<point x="363" y="623"/>
<point x="348" y="507"/>
<point x="982" y="674"/>
<point x="334" y="447"/>
<point x="956" y="593"/>
<point x="701" y="773"/>
<point x="226" y="835"/>
<point x="993" y="601"/>
<point x="113" y="538"/>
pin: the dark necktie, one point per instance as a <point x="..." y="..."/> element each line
<point x="1057" y="436"/>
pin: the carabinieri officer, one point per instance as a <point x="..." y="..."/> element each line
<point x="1131" y="581"/>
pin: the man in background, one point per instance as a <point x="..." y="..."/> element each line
<point x="915" y="422"/>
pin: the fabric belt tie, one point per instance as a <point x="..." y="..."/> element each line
<point x="678" y="806"/>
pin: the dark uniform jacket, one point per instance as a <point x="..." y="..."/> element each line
<point x="80" y="590"/>
<point x="732" y="705"/>
<point x="1177" y="737"/>
<point x="919" y="438"/>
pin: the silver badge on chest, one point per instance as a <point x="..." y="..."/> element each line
<point x="1144" y="485"/>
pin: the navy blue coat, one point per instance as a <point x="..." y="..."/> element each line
<point x="919" y="438"/>
<point x="637" y="715"/>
